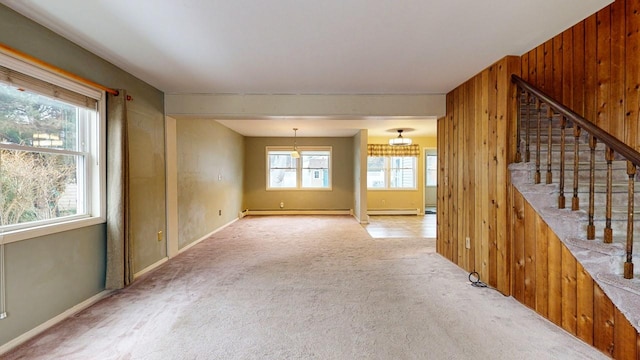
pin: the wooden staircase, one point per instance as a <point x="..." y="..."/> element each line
<point x="582" y="182"/>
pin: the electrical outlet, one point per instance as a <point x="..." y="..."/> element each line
<point x="467" y="242"/>
<point x="281" y="204"/>
<point x="159" y="235"/>
<point x="219" y="212"/>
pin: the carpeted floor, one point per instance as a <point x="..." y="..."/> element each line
<point x="302" y="287"/>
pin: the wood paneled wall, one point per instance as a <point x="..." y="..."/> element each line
<point x="548" y="279"/>
<point x="594" y="69"/>
<point x="475" y="139"/>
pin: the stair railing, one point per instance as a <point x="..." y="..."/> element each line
<point x="536" y="98"/>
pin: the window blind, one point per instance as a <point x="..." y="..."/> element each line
<point x="26" y="82"/>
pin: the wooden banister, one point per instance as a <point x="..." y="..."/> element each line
<point x="537" y="98"/>
<point x="611" y="141"/>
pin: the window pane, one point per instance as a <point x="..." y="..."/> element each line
<point x="282" y="178"/>
<point x="402" y="172"/>
<point x="376" y="179"/>
<point x="34" y="120"/>
<point x="38" y="186"/>
<point x="281" y="160"/>
<point x="315" y="169"/>
<point x="403" y="178"/>
<point x="432" y="170"/>
<point x="375" y="163"/>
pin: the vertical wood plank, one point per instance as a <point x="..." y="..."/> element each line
<point x="548" y="68"/>
<point x="449" y="181"/>
<point x="569" y="295"/>
<point x="617" y="91"/>
<point x="524" y="67"/>
<point x="625" y="338"/>
<point x="462" y="177"/>
<point x="590" y="68"/>
<point x="470" y="130"/>
<point x="603" y="67"/>
<point x="492" y="155"/>
<point x="542" y="267"/>
<point x="540" y="68"/>
<point x="479" y="167"/>
<point x="529" y="256"/>
<point x="632" y="73"/>
<point x="603" y="321"/>
<point x="578" y="68"/>
<point x="555" y="278"/>
<point x="518" y="247"/>
<point x="556" y="67"/>
<point x="503" y="140"/>
<point x="533" y="67"/>
<point x="585" y="305"/>
<point x="456" y="188"/>
<point x="484" y="154"/>
<point x="567" y="68"/>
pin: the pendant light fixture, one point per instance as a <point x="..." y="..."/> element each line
<point x="295" y="154"/>
<point x="400" y="141"/>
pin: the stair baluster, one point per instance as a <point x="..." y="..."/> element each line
<point x="628" y="265"/>
<point x="518" y="136"/>
<point x="527" y="152"/>
<point x="563" y="130"/>
<point x="608" y="232"/>
<point x="575" y="200"/>
<point x="538" y="133"/>
<point x="591" y="229"/>
<point x="549" y="145"/>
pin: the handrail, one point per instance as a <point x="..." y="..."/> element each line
<point x="611" y="141"/>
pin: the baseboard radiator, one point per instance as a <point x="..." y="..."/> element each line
<point x="299" y="212"/>
<point x="393" y="212"/>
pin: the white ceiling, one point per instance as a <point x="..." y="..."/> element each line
<point x="305" y="46"/>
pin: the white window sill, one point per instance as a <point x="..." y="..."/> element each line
<point x="33" y="232"/>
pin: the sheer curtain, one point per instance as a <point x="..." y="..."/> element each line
<point x="119" y="256"/>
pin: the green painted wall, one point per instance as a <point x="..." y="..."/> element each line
<point x="48" y="275"/>
<point x="256" y="197"/>
<point x="210" y="173"/>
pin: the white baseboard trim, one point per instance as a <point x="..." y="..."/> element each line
<point x="53" y="321"/>
<point x="299" y="212"/>
<point x="150" y="267"/>
<point x="393" y="212"/>
<point x="206" y="236"/>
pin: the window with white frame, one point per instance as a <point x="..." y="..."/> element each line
<point x="312" y="170"/>
<point x="51" y="149"/>
<point x="391" y="172"/>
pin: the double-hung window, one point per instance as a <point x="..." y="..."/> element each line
<point x="51" y="151"/>
<point x="391" y="172"/>
<point x="312" y="170"/>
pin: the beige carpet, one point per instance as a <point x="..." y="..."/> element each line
<point x="303" y="287"/>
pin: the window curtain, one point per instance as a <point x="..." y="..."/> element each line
<point x="388" y="150"/>
<point x="119" y="256"/>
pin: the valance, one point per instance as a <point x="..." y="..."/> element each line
<point x="388" y="150"/>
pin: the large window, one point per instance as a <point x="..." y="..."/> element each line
<point x="50" y="141"/>
<point x="391" y="172"/>
<point x="312" y="170"/>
